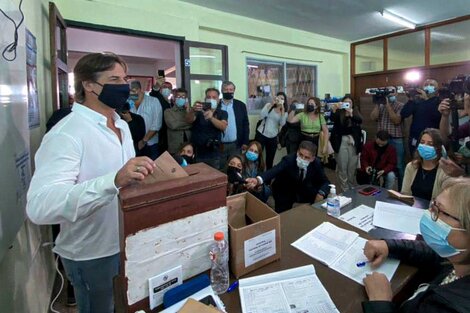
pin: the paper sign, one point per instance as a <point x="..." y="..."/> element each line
<point x="160" y="284"/>
<point x="260" y="247"/>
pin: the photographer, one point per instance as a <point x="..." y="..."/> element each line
<point x="423" y="107"/>
<point x="450" y="167"/>
<point x="272" y="118"/>
<point x="209" y="122"/>
<point x="378" y="159"/>
<point x="346" y="139"/>
<point x="179" y="129"/>
<point x="388" y="119"/>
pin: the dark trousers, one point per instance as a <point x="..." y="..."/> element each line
<point x="270" y="144"/>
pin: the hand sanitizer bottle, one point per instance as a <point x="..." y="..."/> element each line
<point x="332" y="203"/>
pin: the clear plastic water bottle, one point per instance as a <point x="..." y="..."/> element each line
<point x="332" y="203"/>
<point x="219" y="270"/>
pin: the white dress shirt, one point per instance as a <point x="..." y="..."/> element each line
<point x="73" y="184"/>
<point x="151" y="110"/>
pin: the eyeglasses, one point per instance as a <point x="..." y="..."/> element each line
<point x="436" y="210"/>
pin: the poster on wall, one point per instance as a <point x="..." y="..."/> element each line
<point x="31" y="75"/>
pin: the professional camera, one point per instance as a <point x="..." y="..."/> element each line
<point x="213" y="144"/>
<point x="379" y="94"/>
<point x="455" y="91"/>
<point x="234" y="177"/>
<point x="374" y="180"/>
<point x="411" y="89"/>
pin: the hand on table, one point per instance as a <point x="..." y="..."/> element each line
<point x="376" y="251"/>
<point x="378" y="287"/>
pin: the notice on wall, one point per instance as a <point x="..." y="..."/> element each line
<point x="31" y="76"/>
<point x="260" y="247"/>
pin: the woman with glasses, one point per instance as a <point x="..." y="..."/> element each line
<point x="445" y="228"/>
<point x="423" y="176"/>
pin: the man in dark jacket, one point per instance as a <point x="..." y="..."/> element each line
<point x="162" y="94"/>
<point x="378" y="159"/>
<point x="235" y="138"/>
<point x="299" y="177"/>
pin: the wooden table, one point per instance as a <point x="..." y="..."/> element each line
<point x="346" y="293"/>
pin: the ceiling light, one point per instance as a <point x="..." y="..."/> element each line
<point x="202" y="56"/>
<point x="398" y="19"/>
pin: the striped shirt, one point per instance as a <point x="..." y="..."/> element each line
<point x="151" y="110"/>
<point x="384" y="121"/>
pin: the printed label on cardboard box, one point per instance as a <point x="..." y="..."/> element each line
<point x="260" y="247"/>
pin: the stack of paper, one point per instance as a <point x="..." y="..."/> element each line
<point x="360" y="217"/>
<point x="293" y="290"/>
<point x="341" y="250"/>
<point x="397" y="217"/>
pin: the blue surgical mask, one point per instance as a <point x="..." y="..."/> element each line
<point x="251" y="156"/>
<point x="165" y="92"/>
<point x="392" y="99"/>
<point x="134" y="96"/>
<point x="427" y="152"/>
<point x="435" y="234"/>
<point x="429" y="89"/>
<point x="131" y="103"/>
<point x="213" y="103"/>
<point x="180" y="102"/>
<point x="301" y="163"/>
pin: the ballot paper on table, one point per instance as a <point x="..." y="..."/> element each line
<point x="293" y="290"/>
<point x="342" y="250"/>
<point x="360" y="217"/>
<point x="197" y="296"/>
<point x="402" y="218"/>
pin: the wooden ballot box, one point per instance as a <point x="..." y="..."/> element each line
<point x="164" y="224"/>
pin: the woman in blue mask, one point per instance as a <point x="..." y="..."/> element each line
<point x="253" y="165"/>
<point x="444" y="252"/>
<point x="423" y="176"/>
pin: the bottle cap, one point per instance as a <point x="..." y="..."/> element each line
<point x="219" y="236"/>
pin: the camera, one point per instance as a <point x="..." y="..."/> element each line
<point x="411" y="89"/>
<point x="206" y="106"/>
<point x="213" y="143"/>
<point x="379" y="94"/>
<point x="455" y="91"/>
<point x="345" y="105"/>
<point x="373" y="177"/>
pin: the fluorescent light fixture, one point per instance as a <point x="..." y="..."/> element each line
<point x="252" y="66"/>
<point x="398" y="19"/>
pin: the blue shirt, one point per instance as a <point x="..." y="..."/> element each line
<point x="230" y="134"/>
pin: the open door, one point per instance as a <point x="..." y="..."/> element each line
<point x="59" y="69"/>
<point x="205" y="66"/>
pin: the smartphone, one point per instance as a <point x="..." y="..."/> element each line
<point x="206" y="106"/>
<point x="367" y="191"/>
<point x="161" y="73"/>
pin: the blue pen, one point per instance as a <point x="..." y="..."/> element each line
<point x="233" y="286"/>
<point x="377" y="192"/>
<point x="362" y="264"/>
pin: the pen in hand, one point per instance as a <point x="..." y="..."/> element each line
<point x="233" y="286"/>
<point x="362" y="264"/>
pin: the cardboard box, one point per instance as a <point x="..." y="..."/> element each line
<point x="255" y="234"/>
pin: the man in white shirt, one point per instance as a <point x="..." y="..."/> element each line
<point x="80" y="166"/>
<point x="151" y="110"/>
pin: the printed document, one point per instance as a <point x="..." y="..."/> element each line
<point x="402" y="218"/>
<point x="342" y="250"/>
<point x="296" y="290"/>
<point x="360" y="217"/>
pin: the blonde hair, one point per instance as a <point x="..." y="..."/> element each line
<point x="458" y="190"/>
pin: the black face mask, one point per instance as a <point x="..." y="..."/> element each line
<point x="114" y="95"/>
<point x="189" y="160"/>
<point x="310" y="108"/>
<point x="234" y="175"/>
<point x="227" y="95"/>
<point x="379" y="148"/>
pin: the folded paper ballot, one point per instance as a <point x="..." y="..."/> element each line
<point x="343" y="201"/>
<point x="404" y="198"/>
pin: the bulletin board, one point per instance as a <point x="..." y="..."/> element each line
<point x="15" y="163"/>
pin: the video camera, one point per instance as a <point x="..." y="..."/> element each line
<point x="411" y="89"/>
<point x="379" y="94"/>
<point x="374" y="180"/>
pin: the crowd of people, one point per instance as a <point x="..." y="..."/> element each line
<point x="114" y="132"/>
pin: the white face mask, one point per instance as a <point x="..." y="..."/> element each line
<point x="213" y="103"/>
<point x="301" y="163"/>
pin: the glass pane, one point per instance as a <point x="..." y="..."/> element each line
<point x="369" y="57"/>
<point x="63" y="88"/>
<point x="301" y="82"/>
<point x="450" y="43"/>
<point x="265" y="79"/>
<point x="205" y="61"/>
<point x="406" y="51"/>
<point x="198" y="88"/>
<point x="60" y="43"/>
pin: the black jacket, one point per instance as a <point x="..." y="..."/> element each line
<point x="453" y="297"/>
<point x="349" y="126"/>
<point x="241" y="119"/>
<point x="163" y="132"/>
<point x="286" y="174"/>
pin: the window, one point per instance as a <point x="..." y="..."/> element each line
<point x="450" y="43"/>
<point x="370" y="57"/>
<point x="267" y="78"/>
<point x="406" y="50"/>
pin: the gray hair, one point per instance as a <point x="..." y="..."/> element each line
<point x="458" y="193"/>
<point x="228" y="83"/>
